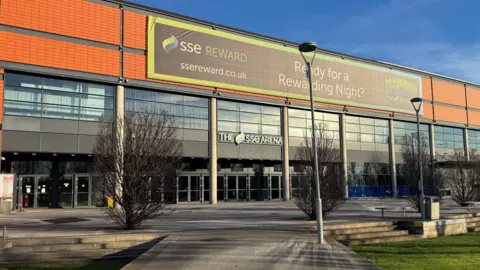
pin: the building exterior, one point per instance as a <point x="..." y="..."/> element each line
<point x="240" y="99"/>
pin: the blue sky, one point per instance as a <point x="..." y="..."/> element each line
<point x="440" y="36"/>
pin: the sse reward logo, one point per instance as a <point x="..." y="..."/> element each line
<point x="170" y="43"/>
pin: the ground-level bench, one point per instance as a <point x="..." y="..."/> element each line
<point x="390" y="208"/>
<point x="472" y="204"/>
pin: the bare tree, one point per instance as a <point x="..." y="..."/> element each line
<point x="464" y="177"/>
<point x="138" y="159"/>
<point x="409" y="153"/>
<point x="329" y="164"/>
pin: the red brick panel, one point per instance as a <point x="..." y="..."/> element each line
<point x="426" y="88"/>
<point x="447" y="92"/>
<point x="134" y="66"/>
<point x="473" y="97"/>
<point x="135" y="30"/>
<point x="74" y="18"/>
<point x="58" y="54"/>
<point x="449" y="114"/>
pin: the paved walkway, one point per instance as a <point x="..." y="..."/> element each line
<point x="247" y="249"/>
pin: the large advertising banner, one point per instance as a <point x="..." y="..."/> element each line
<point x="193" y="54"/>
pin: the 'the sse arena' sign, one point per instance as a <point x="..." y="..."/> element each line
<point x="193" y="54"/>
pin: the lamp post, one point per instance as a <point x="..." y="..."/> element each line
<point x="308" y="47"/>
<point x="417" y="104"/>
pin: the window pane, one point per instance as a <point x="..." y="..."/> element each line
<point x="399" y="124"/>
<point x="381" y="139"/>
<point x="23" y="80"/>
<point x="63" y="112"/>
<point x="228" y="105"/>
<point x="250" y="117"/>
<point x="296" y="113"/>
<point x="270" y="110"/>
<point x="61" y="98"/>
<point x="195" y="112"/>
<point x="61" y="85"/>
<point x="352" y="119"/>
<point x="381" y="130"/>
<point x="366" y="121"/>
<point x="381" y="122"/>
<point x="271" y="119"/>
<point x="90" y="114"/>
<point x="296" y="122"/>
<point x="352" y="128"/>
<point x="192" y="123"/>
<point x="195" y="101"/>
<point x="23" y="94"/>
<point x="228" y="115"/>
<point x="458" y="131"/>
<point x="244" y="107"/>
<point x="330" y="117"/>
<point x="96" y="101"/>
<point x="97" y="89"/>
<point x="296" y="132"/>
<point x="250" y="128"/>
<point x="366" y="138"/>
<point x="367" y="129"/>
<point x="22" y="108"/>
<point x="447" y="130"/>
<point x="270" y="130"/>
<point x="228" y="126"/>
<point x="331" y="126"/>
<point x="352" y="136"/>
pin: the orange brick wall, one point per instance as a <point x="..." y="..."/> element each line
<point x="74" y="18"/>
<point x="449" y="114"/>
<point x="474" y="118"/>
<point x="135" y="30"/>
<point x="135" y="66"/>
<point x="426" y="88"/>
<point x="58" y="54"/>
<point x="473" y="95"/>
<point x="447" y="92"/>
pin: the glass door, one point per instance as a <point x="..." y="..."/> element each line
<point x="99" y="195"/>
<point x="242" y="187"/>
<point x="220" y="188"/>
<point x="27" y="191"/>
<point x="275" y="184"/>
<point x="44" y="191"/>
<point x="265" y="189"/>
<point x="83" y="191"/>
<point x="231" y="187"/>
<point x="183" y="188"/>
<point x="194" y="188"/>
<point x="66" y="191"/>
<point x="206" y="188"/>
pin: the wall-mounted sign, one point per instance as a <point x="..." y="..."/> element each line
<point x="241" y="137"/>
<point x="193" y="54"/>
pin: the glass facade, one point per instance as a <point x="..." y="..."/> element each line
<point x="190" y="112"/>
<point x="402" y="129"/>
<point x="362" y="129"/>
<point x="27" y="95"/>
<point x="248" y="118"/>
<point x="448" y="139"/>
<point x="369" y="179"/>
<point x="474" y="139"/>
<point x="300" y="124"/>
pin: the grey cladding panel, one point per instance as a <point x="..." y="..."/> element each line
<point x="59" y="143"/>
<point x="292" y="153"/>
<point x="365" y="146"/>
<point x="89" y="128"/>
<point x="21" y="123"/>
<point x="271" y="152"/>
<point x="21" y="141"/>
<point x="249" y="151"/>
<point x="353" y="145"/>
<point x="367" y="156"/>
<point x="195" y="135"/>
<point x="227" y="150"/>
<point x="86" y="143"/>
<point x="58" y="126"/>
<point x="354" y="156"/>
<point x="195" y="149"/>
<point x="295" y="141"/>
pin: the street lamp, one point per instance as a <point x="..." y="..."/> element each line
<point x="308" y="47"/>
<point x="417" y="104"/>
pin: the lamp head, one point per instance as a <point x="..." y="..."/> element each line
<point x="416" y="103"/>
<point x="307" y="47"/>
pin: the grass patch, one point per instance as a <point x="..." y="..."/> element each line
<point x="73" y="265"/>
<point x="448" y="252"/>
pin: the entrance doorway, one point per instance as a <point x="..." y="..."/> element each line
<point x="237" y="187"/>
<point x="33" y="191"/>
<point x="191" y="188"/>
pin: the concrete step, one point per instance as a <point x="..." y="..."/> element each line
<point x="382" y="239"/>
<point x="15" y="242"/>
<point x="343" y="226"/>
<point x="70" y="255"/>
<point x="73" y="247"/>
<point x="460" y="216"/>
<point x="473" y="224"/>
<point x="474" y="229"/>
<point x="370" y="235"/>
<point x="359" y="230"/>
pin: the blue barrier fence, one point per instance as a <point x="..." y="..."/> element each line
<point x="385" y="191"/>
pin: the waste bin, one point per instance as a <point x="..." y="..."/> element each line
<point x="6" y="207"/>
<point x="432" y="208"/>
